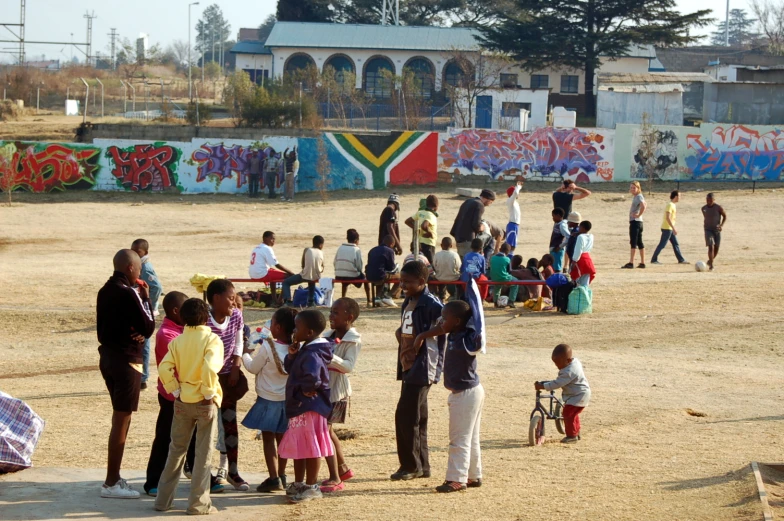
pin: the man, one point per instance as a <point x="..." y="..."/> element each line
<point x="271" y="177"/>
<point x="568" y="193"/>
<point x="668" y="231"/>
<point x="714" y="222"/>
<point x="264" y="265"/>
<point x="468" y="223"/>
<point x="388" y="223"/>
<point x="427" y="222"/>
<point x="291" y="158"/>
<point x="124" y="321"/>
<point x="255" y="174"/>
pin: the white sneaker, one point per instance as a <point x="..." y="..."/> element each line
<point x="388" y="302"/>
<point x="120" y="490"/>
<point x="307" y="494"/>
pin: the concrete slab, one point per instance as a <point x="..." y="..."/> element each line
<point x="58" y="494"/>
<point x="468" y="192"/>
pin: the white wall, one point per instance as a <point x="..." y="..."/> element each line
<point x="254" y="61"/>
<point x="723" y="72"/>
<point x="537" y="98"/>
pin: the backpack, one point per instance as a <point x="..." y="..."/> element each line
<point x="580" y="301"/>
<point x="300" y="298"/>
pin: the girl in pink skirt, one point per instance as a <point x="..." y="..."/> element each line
<point x="307" y="405"/>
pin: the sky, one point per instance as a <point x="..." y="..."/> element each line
<point x="163" y="20"/>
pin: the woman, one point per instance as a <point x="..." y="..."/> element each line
<point x="635" y="225"/>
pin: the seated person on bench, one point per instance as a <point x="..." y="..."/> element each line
<point x="348" y="264"/>
<point x="381" y="267"/>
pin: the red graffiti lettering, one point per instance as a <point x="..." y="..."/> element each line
<point x="145" y="167"/>
<point x="51" y="167"/>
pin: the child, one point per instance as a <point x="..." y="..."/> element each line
<point x="576" y="391"/>
<point x="558" y="239"/>
<point x="312" y="268"/>
<point x="467" y="398"/>
<point x="583" y="270"/>
<point x="264" y="266"/>
<point x="475" y="266"/>
<point x="529" y="272"/>
<point x="573" y="222"/>
<point x="418" y="369"/>
<point x="546" y="265"/>
<point x="189" y="371"/>
<point x="513" y="227"/>
<point x="500" y="271"/>
<point x="425" y="225"/>
<point x="348" y="342"/>
<point x="446" y="264"/>
<point x="268" y="414"/>
<point x="171" y="328"/>
<point x="349" y="265"/>
<point x="635" y="225"/>
<point x="668" y="231"/>
<point x="148" y="275"/>
<point x="381" y="267"/>
<point x="307" y="405"/>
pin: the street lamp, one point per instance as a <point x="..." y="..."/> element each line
<point x="190" y="81"/>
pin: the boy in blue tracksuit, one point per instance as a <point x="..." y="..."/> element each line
<point x="418" y="369"/>
<point x="148" y="275"/>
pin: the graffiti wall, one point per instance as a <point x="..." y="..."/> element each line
<point x="47" y="167"/>
<point x="543" y="154"/>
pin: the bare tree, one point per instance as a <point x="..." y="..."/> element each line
<point x="770" y="16"/>
<point x="179" y="50"/>
<point x="480" y="73"/>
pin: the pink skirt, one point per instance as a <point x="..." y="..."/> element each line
<point x="307" y="437"/>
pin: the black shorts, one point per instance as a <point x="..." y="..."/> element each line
<point x="712" y="238"/>
<point x="355" y="284"/>
<point x="123" y="382"/>
<point x="635" y="235"/>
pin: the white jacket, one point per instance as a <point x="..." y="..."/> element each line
<point x="344" y="358"/>
<point x="270" y="381"/>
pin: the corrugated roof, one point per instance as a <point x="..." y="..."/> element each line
<point x="250" y="47"/>
<point x="382" y="37"/>
<point x="641" y="51"/>
<point x="614" y="78"/>
<point x="644" y="87"/>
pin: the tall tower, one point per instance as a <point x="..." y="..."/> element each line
<point x="113" y="36"/>
<point x="90" y="17"/>
<point x="23" y="6"/>
<point x="391" y="9"/>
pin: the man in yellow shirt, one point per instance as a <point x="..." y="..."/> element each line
<point x="669" y="233"/>
<point x="190" y="372"/>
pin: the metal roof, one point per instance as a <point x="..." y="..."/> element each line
<point x="615" y="78"/>
<point x="250" y="47"/>
<point x="381" y="37"/>
<point x="641" y="51"/>
<point x="644" y="88"/>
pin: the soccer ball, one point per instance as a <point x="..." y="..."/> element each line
<point x="700" y="266"/>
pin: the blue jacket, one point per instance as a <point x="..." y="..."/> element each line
<point x="474" y="264"/>
<point x="429" y="361"/>
<point x="149" y="276"/>
<point x="307" y="373"/>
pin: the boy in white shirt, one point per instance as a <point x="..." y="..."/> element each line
<point x="312" y="268"/>
<point x="513" y="227"/>
<point x="446" y="264"/>
<point x="264" y="266"/>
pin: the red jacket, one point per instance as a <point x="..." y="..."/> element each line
<point x="584" y="266"/>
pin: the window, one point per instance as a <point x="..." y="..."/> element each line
<point x="569" y="84"/>
<point x="453" y="75"/>
<point x="510" y="109"/>
<point x="508" y="81"/>
<point x="423" y="76"/>
<point x="540" y="81"/>
<point x="377" y="84"/>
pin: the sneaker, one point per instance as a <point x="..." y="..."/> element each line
<point x="388" y="302"/>
<point x="186" y="470"/>
<point x="474" y="483"/>
<point x="684" y="261"/>
<point x="403" y="475"/>
<point x="237" y="482"/>
<point x="570" y="439"/>
<point x="143" y="386"/>
<point x="347" y="475"/>
<point x="450" y="486"/>
<point x="220" y="477"/>
<point x="328" y="487"/>
<point x="283" y="480"/>
<point x="289" y="200"/>
<point x="210" y="510"/>
<point x="295" y="488"/>
<point x="120" y="490"/>
<point x="425" y="474"/>
<point x="282" y="197"/>
<point x="308" y="493"/>
<point x="655" y="262"/>
<point x="270" y="485"/>
<point x="216" y="488"/>
<point x="153" y="492"/>
<point x="641" y="265"/>
<point x="512" y="305"/>
<point x="627" y="266"/>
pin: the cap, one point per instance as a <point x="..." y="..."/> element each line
<point x="394" y="198"/>
<point x="488" y="194"/>
<point x="574" y="217"/>
<point x="510" y="191"/>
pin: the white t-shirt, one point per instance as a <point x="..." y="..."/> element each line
<point x="261" y="260"/>
<point x="514" y="206"/>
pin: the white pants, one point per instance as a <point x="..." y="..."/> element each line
<point x="465" y="414"/>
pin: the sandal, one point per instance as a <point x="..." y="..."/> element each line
<point x="329" y="487"/>
<point x="347" y="475"/>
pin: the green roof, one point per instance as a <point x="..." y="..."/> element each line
<point x="250" y="47"/>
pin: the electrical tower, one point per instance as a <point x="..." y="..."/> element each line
<point x="113" y="36"/>
<point x="20" y="37"/>
<point x="391" y="9"/>
<point x="90" y="17"/>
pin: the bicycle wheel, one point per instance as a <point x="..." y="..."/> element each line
<point x="559" y="423"/>
<point x="536" y="429"/>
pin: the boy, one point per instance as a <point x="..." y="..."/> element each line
<point x="714" y="219"/>
<point x="312" y="268"/>
<point x="558" y="239"/>
<point x="513" y="227"/>
<point x="427" y="223"/>
<point x="271" y="166"/>
<point x="148" y="275"/>
<point x="348" y="263"/>
<point x="381" y="267"/>
<point x="446" y="264"/>
<point x="475" y="266"/>
<point x="255" y="175"/>
<point x="669" y="233"/>
<point x="418" y="369"/>
<point x="467" y="398"/>
<point x="264" y="265"/>
<point x="576" y="392"/>
<point x="500" y="271"/>
<point x="583" y="270"/>
<point x="189" y="371"/>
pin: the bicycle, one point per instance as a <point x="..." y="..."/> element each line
<point x="536" y="426"/>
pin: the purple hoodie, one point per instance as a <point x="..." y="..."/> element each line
<point x="307" y="373"/>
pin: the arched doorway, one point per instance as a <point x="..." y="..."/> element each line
<point x="424" y="75"/>
<point x="375" y="81"/>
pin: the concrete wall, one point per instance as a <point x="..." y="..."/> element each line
<point x="747" y="103"/>
<point x="662" y="108"/>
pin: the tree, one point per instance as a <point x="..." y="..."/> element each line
<point x="212" y="33"/>
<point x="412" y="12"/>
<point x="740" y="33"/>
<point x="476" y="13"/>
<point x="178" y="49"/>
<point x="129" y="62"/>
<point x="481" y="72"/>
<point x="578" y="34"/>
<point x="266" y="27"/>
<point x="770" y="14"/>
<point x="307" y="10"/>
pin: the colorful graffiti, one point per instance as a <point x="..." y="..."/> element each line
<point x="343" y="173"/>
<point x="148" y="167"/>
<point x="223" y="162"/>
<point x="540" y="154"/>
<point x="46" y="167"/>
<point x="736" y="152"/>
<point x="659" y="158"/>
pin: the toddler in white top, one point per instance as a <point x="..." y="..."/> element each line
<point x="576" y="393"/>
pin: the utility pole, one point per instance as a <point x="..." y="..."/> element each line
<point x="113" y="36"/>
<point x="727" y="26"/>
<point x="23" y="7"/>
<point x="90" y="17"/>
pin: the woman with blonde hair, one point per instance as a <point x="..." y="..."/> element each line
<point x="635" y="224"/>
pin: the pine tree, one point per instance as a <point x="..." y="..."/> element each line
<point x="212" y="32"/>
<point x="740" y="33"/>
<point x="307" y="11"/>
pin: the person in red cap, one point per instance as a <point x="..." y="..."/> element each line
<point x="513" y="227"/>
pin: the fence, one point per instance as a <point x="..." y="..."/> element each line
<point x="380" y="117"/>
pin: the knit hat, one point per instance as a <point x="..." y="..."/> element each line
<point x="394" y="198"/>
<point x="488" y="194"/>
<point x="574" y="217"/>
<point x="510" y="191"/>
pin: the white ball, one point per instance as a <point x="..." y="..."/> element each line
<point x="700" y="266"/>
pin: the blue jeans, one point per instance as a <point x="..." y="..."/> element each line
<point x="294" y="280"/>
<point x="668" y="236"/>
<point x="146" y="360"/>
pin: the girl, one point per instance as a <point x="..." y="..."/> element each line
<point x="268" y="414"/>
<point x="635" y="225"/>
<point x="307" y="405"/>
<point x="226" y="321"/>
<point x="346" y="350"/>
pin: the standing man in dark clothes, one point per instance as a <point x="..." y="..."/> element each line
<point x="388" y="224"/>
<point x="124" y="321"/>
<point x="255" y="175"/>
<point x="468" y="223"/>
<point x="566" y="194"/>
<point x="714" y="221"/>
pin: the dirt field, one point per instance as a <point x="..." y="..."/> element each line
<point x="661" y="342"/>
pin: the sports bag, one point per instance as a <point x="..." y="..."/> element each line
<point x="580" y="301"/>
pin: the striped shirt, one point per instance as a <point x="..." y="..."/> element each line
<point x="230" y="332"/>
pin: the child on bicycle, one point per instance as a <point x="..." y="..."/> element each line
<point x="576" y="393"/>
